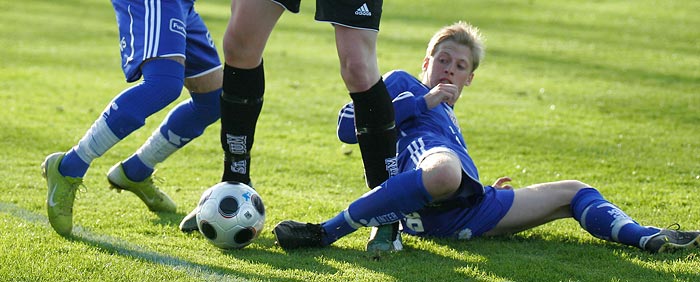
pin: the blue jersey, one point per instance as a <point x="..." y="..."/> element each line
<point x="421" y="132"/>
<point x="420" y="129"/>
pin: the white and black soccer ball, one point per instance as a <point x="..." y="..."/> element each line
<point x="230" y="215"/>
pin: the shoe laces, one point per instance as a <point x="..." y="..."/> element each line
<point x="78" y="184"/>
<point x="676" y="233"/>
<point x="157" y="179"/>
<point x="153" y="179"/>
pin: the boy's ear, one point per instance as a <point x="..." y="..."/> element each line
<point x="426" y="62"/>
<point x="469" y="80"/>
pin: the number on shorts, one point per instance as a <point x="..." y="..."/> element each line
<point x="414" y="222"/>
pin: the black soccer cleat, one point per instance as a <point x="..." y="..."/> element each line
<point x="293" y="235"/>
<point x="668" y="240"/>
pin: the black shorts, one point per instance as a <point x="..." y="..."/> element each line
<point x="290" y="5"/>
<point x="360" y="14"/>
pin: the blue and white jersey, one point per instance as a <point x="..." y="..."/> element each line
<point x="421" y="130"/>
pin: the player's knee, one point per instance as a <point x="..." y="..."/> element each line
<point x="162" y="83"/>
<point x="573" y="185"/>
<point x="163" y="79"/>
<point x="358" y="82"/>
<point x="207" y="107"/>
<point x="358" y="75"/>
<point x="442" y="176"/>
<point x="243" y="51"/>
<point x="168" y="87"/>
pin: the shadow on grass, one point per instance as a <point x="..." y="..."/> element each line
<point x="512" y="258"/>
<point x="532" y="256"/>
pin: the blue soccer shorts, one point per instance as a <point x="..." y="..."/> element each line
<point x="154" y="28"/>
<point x="462" y="223"/>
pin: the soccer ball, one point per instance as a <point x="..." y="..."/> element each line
<point x="230" y="215"/>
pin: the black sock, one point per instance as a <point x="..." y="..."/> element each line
<point x="241" y="104"/>
<point x="376" y="133"/>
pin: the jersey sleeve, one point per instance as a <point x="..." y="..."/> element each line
<point x="346" y="124"/>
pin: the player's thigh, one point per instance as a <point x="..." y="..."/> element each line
<point x="536" y="205"/>
<point x="358" y="58"/>
<point x="356" y="24"/>
<point x="205" y="83"/>
<point x="203" y="72"/>
<point x="248" y="30"/>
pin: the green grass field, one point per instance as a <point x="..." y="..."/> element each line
<point x="606" y="92"/>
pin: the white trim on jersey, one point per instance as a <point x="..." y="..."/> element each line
<point x="404" y="95"/>
<point x="347" y="112"/>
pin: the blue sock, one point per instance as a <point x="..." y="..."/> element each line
<point x="136" y="170"/>
<point x="72" y="165"/>
<point x="162" y="83"/>
<point x="184" y="123"/>
<point x="189" y="119"/>
<point x="605" y="220"/>
<point x="388" y="203"/>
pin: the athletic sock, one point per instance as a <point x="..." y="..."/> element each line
<point x="376" y="133"/>
<point x="241" y="104"/>
<point x="96" y="141"/>
<point x="605" y="220"/>
<point x="161" y="85"/>
<point x="185" y="122"/>
<point x="388" y="203"/>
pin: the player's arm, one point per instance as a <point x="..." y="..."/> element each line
<point x="346" y="124"/>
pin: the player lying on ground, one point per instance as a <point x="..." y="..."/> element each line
<point x="438" y="192"/>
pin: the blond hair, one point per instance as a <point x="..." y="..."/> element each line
<point x="461" y="33"/>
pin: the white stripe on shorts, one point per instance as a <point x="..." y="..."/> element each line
<point x="417" y="148"/>
<point x="151" y="28"/>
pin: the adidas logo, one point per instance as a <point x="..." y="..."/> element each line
<point x="363" y="11"/>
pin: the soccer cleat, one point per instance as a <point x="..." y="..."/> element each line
<point x="189" y="223"/>
<point x="155" y="199"/>
<point x="668" y="240"/>
<point x="384" y="238"/>
<point x="293" y="235"/>
<point x="61" y="194"/>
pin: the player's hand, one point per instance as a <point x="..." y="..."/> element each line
<point x="448" y="93"/>
<point x="502" y="183"/>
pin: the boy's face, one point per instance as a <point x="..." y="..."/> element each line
<point x="451" y="64"/>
